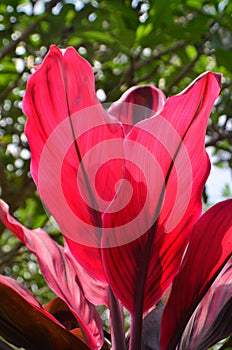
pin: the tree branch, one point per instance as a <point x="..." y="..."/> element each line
<point x="157" y="56"/>
<point x="10" y="87"/>
<point x="185" y="70"/>
<point x="13" y="44"/>
<point x="29" y="30"/>
<point x="4" y="183"/>
<point x="6" y="258"/>
<point x="147" y="76"/>
<point x="136" y="66"/>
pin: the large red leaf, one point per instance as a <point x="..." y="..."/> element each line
<point x="209" y="249"/>
<point x="169" y="148"/>
<point x="24" y="323"/>
<point x="65" y="121"/>
<point x="60" y="274"/>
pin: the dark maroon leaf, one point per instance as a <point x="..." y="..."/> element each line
<point x="208" y="252"/>
<point x="151" y="329"/>
<point x="62" y="313"/>
<point x="24" y="323"/>
<point x="212" y="320"/>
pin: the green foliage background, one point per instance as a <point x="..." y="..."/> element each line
<point x="167" y="43"/>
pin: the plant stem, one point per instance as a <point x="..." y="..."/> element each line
<point x="116" y="323"/>
<point x="136" y="332"/>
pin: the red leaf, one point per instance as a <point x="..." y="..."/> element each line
<point x="59" y="273"/>
<point x="23" y="322"/>
<point x="136" y="104"/>
<point x="170" y="150"/>
<point x="94" y="290"/>
<point x="65" y="120"/>
<point x="209" y="249"/>
<point x="212" y="319"/>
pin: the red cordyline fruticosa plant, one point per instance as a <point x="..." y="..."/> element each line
<point x="125" y="187"/>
